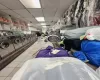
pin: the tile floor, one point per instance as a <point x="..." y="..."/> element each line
<point x="8" y="72"/>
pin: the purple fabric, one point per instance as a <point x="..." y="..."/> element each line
<point x="45" y="53"/>
<point x="49" y="47"/>
<point x="60" y="48"/>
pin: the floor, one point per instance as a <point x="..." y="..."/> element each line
<point x="8" y="72"/>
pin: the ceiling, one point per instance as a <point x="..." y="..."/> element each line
<point x="51" y="10"/>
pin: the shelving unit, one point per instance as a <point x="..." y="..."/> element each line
<point x="10" y="23"/>
<point x="19" y="24"/>
<point x="5" y="22"/>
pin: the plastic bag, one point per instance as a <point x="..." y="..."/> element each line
<point x="55" y="69"/>
<point x="98" y="71"/>
<point x="76" y="33"/>
<point x="93" y="34"/>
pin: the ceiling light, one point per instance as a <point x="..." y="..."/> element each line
<point x="43" y="24"/>
<point x="31" y="3"/>
<point x="40" y="18"/>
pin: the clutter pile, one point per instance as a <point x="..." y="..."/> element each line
<point x="85" y="48"/>
<point x="58" y="63"/>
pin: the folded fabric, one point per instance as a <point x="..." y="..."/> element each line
<point x="80" y="55"/>
<point x="93" y="34"/>
<point x="50" y="52"/>
<point x="92" y="51"/>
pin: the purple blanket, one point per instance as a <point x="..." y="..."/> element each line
<point x="45" y="53"/>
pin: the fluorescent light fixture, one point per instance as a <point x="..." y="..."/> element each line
<point x="40" y="19"/>
<point x="31" y="3"/>
<point x="43" y="24"/>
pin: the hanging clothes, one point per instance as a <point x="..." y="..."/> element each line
<point x="97" y="5"/>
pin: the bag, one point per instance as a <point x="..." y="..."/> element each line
<point x="50" y="52"/>
<point x="72" y="43"/>
<point x="55" y="69"/>
<point x="93" y="34"/>
<point x="98" y="71"/>
<point x="92" y="51"/>
<point x="76" y="33"/>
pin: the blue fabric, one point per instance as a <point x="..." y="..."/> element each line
<point x="92" y="51"/>
<point x="80" y="55"/>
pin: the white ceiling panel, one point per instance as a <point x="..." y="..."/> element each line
<point x="56" y="18"/>
<point x="50" y="3"/>
<point x="65" y="4"/>
<point x="59" y="13"/>
<point x="49" y="23"/>
<point x="31" y="19"/>
<point x="31" y="3"/>
<point x="36" y="12"/>
<point x="10" y="12"/>
<point x="49" y="12"/>
<point x="36" y="23"/>
<point x="24" y="19"/>
<point x="12" y="4"/>
<point x="48" y="19"/>
<point x="24" y="13"/>
<point x="3" y="7"/>
<point x="38" y="27"/>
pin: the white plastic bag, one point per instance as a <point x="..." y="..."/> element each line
<point x="98" y="71"/>
<point x="93" y="34"/>
<point x="55" y="69"/>
<point x="76" y="33"/>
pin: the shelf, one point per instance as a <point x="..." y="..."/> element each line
<point x="4" y="22"/>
